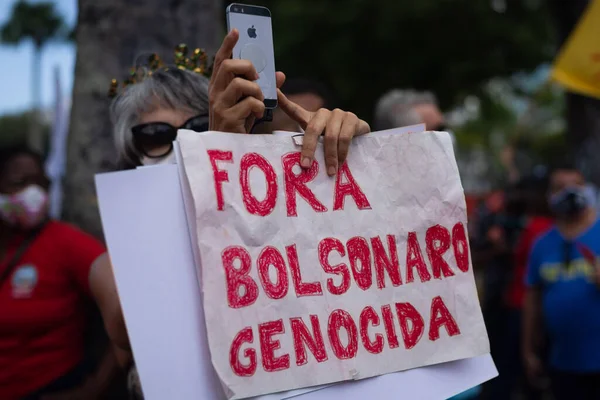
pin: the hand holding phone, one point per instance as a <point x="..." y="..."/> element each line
<point x="236" y="100"/>
<point x="239" y="94"/>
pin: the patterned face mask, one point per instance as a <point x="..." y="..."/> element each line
<point x="26" y="208"/>
<point x="572" y="201"/>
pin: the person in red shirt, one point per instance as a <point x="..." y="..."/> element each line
<point x="538" y="221"/>
<point x="535" y="227"/>
<point x="46" y="277"/>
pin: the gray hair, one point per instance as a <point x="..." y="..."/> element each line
<point x="171" y="88"/>
<point x="395" y="108"/>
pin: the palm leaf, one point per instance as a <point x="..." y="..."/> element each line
<point x="39" y="22"/>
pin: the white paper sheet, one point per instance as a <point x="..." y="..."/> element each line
<point x="435" y="382"/>
<point x="405" y="185"/>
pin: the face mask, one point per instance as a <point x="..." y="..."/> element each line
<point x="26" y="208"/>
<point x="571" y="201"/>
<point x="168" y="159"/>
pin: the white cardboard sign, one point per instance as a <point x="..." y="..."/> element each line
<point x="147" y="236"/>
<point x="309" y="280"/>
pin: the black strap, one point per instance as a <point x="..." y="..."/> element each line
<point x="568" y="246"/>
<point x="20" y="251"/>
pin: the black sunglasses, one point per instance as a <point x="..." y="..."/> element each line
<point x="150" y="139"/>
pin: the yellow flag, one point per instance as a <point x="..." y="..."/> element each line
<point x="577" y="66"/>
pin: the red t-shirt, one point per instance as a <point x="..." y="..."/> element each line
<point x="42" y="308"/>
<point x="535" y="227"/>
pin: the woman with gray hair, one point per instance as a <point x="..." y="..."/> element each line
<point x="148" y="113"/>
<point x="398" y="108"/>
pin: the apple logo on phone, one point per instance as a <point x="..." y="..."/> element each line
<point x="252" y="32"/>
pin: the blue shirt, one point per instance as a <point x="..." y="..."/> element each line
<point x="571" y="300"/>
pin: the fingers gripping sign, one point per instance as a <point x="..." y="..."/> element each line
<point x="337" y="126"/>
<point x="237" y="101"/>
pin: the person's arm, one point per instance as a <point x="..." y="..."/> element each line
<point x="124" y="357"/>
<point x="96" y="386"/>
<point x="91" y="269"/>
<point x="82" y="253"/>
<point x="104" y="292"/>
<point x="532" y="319"/>
<point x="236" y="102"/>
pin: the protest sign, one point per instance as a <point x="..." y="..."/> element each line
<point x="157" y="283"/>
<point x="309" y="280"/>
<point x="152" y="260"/>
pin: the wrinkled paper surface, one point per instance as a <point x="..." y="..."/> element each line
<point x="411" y="182"/>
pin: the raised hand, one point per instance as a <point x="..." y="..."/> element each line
<point x="236" y="100"/>
<point x="338" y="127"/>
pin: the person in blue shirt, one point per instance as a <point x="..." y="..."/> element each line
<point x="563" y="294"/>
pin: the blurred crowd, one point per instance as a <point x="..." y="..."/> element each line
<point x="534" y="245"/>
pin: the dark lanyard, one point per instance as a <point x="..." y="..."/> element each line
<point x="567" y="251"/>
<point x="14" y="260"/>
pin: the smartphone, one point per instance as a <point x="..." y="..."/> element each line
<point x="256" y="45"/>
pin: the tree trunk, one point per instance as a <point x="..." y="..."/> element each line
<point x="110" y="34"/>
<point x="582" y="113"/>
<point x="35" y="136"/>
<point x="583" y="134"/>
<point x="36" y="77"/>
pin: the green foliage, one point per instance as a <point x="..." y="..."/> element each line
<point x="39" y="22"/>
<point x="513" y="113"/>
<point x="529" y="117"/>
<point x="549" y="148"/>
<point x="363" y="48"/>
